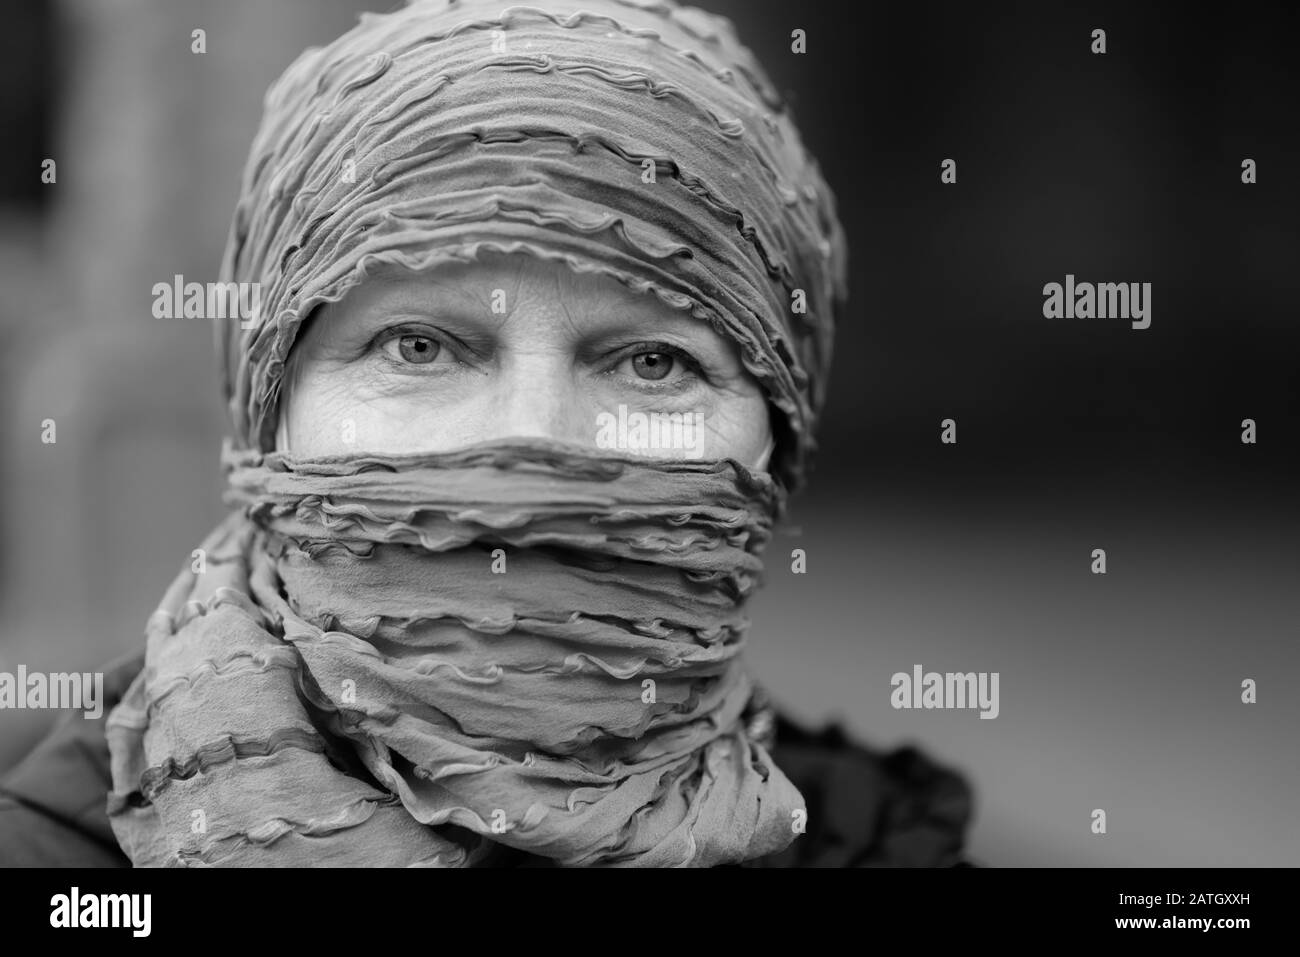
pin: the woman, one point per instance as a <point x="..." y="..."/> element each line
<point x="547" y="300"/>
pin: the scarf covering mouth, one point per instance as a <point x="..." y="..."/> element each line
<point x="415" y="660"/>
<point x="519" y="645"/>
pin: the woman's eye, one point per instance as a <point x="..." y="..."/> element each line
<point x="658" y="367"/>
<point x="415" y="349"/>
<point x="652" y="365"/>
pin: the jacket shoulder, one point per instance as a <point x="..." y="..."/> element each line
<point x="869" y="807"/>
<point x="53" y="803"/>
<point x="866" y="808"/>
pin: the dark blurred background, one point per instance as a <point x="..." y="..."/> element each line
<point x="1119" y="692"/>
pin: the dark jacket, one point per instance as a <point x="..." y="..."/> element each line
<point x="865" y="808"/>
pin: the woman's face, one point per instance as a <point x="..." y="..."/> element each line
<point x="512" y="346"/>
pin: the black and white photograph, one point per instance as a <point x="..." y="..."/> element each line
<point x="637" y="434"/>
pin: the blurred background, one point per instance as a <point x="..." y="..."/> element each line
<point x="1119" y="691"/>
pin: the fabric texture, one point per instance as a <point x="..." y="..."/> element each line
<point x="435" y="660"/>
<point x="535" y="646"/>
<point x="639" y="140"/>
<point x="865" y="808"/>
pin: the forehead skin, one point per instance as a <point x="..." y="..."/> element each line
<point x="542" y="345"/>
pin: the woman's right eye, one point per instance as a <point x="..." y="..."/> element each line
<point x="406" y="347"/>
<point x="418" y="349"/>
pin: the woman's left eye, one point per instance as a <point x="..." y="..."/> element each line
<point x="655" y="364"/>
<point x="652" y="365"/>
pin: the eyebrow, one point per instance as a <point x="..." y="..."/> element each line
<point x="617" y="310"/>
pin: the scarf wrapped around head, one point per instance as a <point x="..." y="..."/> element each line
<point x="418" y="659"/>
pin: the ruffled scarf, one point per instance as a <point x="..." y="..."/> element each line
<point x="409" y="661"/>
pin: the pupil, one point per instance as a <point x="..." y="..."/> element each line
<point x="653" y="365"/>
<point x="418" y="348"/>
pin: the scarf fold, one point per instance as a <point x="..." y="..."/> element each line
<point x="636" y="139"/>
<point x="402" y="661"/>
<point x="416" y="660"/>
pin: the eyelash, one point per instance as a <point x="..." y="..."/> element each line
<point x="675" y="384"/>
<point x="395" y="333"/>
<point x="679" y="383"/>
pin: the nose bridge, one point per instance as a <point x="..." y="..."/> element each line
<point x="535" y="397"/>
